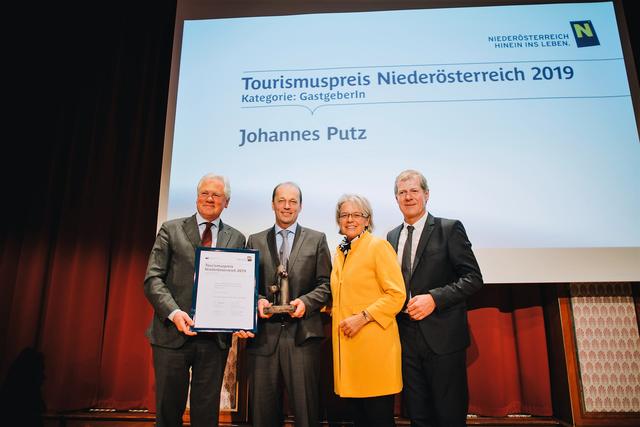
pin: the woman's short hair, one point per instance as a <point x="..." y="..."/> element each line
<point x="361" y="202"/>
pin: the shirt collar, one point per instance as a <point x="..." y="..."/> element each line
<point x="419" y="224"/>
<point x="201" y="221"/>
<point x="292" y="228"/>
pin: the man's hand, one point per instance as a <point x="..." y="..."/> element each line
<point x="421" y="306"/>
<point x="262" y="303"/>
<point x="183" y="322"/>
<point x="352" y="325"/>
<point x="244" y="334"/>
<point x="300" y="308"/>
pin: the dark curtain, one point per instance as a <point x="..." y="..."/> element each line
<point x="81" y="194"/>
<point x="83" y="199"/>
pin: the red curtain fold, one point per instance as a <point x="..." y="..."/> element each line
<point x="126" y="377"/>
<point x="533" y="355"/>
<point x="492" y="364"/>
<point x="24" y="270"/>
<point x="507" y="361"/>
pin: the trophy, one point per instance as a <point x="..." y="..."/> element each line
<point x="280" y="292"/>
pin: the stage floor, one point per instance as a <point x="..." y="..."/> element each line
<point x="146" y="419"/>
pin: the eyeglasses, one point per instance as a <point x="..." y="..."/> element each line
<point x="355" y="215"/>
<point x="206" y="195"/>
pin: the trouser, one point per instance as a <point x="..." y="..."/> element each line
<point x="207" y="362"/>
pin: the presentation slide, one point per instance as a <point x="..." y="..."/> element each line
<point x="520" y="117"/>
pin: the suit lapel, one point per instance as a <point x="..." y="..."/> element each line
<point x="190" y="227"/>
<point x="273" y="248"/>
<point x="297" y="243"/>
<point x="424" y="239"/>
<point x="394" y="237"/>
<point x="223" y="236"/>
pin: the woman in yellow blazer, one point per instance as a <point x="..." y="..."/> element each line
<point x="368" y="291"/>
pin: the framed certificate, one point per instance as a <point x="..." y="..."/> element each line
<point x="224" y="290"/>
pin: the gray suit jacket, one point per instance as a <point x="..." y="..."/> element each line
<point x="168" y="283"/>
<point x="309" y="274"/>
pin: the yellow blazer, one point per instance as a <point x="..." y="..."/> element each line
<point x="369" y="279"/>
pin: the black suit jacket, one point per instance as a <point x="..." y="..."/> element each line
<point x="168" y="283"/>
<point x="309" y="275"/>
<point x="445" y="267"/>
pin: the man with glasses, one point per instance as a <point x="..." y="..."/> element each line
<point x="168" y="286"/>
<point x="440" y="273"/>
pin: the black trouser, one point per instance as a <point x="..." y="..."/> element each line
<point x="372" y="411"/>
<point x="434" y="385"/>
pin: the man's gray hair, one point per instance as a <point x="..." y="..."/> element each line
<point x="214" y="177"/>
<point x="361" y="202"/>
<point x="408" y="174"/>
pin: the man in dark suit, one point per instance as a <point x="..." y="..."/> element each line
<point x="287" y="345"/>
<point x="440" y="272"/>
<point x="168" y="286"/>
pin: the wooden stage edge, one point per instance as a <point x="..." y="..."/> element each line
<point x="146" y="419"/>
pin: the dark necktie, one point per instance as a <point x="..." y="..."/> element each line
<point x="406" y="258"/>
<point x="284" y="248"/>
<point x="207" y="237"/>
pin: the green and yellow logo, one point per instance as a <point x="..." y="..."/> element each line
<point x="584" y="33"/>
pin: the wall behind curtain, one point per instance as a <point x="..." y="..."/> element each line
<point x="81" y="196"/>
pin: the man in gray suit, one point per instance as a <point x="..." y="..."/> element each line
<point x="168" y="286"/>
<point x="287" y="345"/>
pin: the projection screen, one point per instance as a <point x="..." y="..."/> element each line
<point x="521" y="116"/>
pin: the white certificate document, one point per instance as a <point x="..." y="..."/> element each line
<point x="224" y="294"/>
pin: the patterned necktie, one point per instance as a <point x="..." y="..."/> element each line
<point x="284" y="248"/>
<point x="207" y="236"/>
<point x="406" y="257"/>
